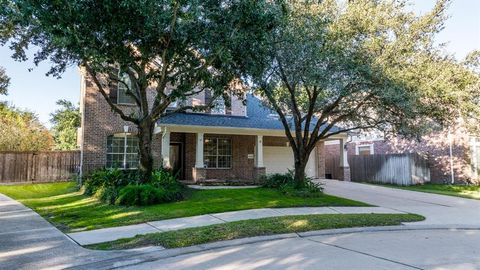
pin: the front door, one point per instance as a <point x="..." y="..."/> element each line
<point x="176" y="159"/>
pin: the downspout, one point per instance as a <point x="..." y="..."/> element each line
<point x="452" y="172"/>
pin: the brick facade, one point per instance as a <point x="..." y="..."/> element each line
<point x="99" y="122"/>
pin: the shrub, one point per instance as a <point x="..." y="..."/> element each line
<point x="138" y="195"/>
<point x="107" y="194"/>
<point x="124" y="187"/>
<point x="147" y="194"/>
<point x="287" y="185"/>
<point x="309" y="189"/>
<point x="277" y="180"/>
<point x="163" y="178"/>
<point x="101" y="179"/>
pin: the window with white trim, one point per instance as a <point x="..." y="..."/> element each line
<point x="122" y="97"/>
<point x="217" y="153"/>
<point x="364" y="150"/>
<point x="122" y="152"/>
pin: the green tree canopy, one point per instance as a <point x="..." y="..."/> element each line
<point x="22" y="131"/>
<point x="362" y="64"/>
<point x="66" y="121"/>
<point x="171" y="48"/>
<point x="4" y="81"/>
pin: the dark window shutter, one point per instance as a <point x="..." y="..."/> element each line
<point x="113" y="94"/>
<point x="113" y="88"/>
<point x="208" y="98"/>
<point x="228" y="109"/>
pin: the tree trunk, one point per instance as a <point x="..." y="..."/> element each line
<point x="145" y="138"/>
<point x="299" y="176"/>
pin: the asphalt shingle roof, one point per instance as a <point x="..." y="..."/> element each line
<point x="258" y="117"/>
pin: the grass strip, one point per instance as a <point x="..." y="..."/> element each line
<point x="256" y="227"/>
<point x="69" y="210"/>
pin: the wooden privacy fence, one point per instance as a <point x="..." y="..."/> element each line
<point x="399" y="169"/>
<point x="51" y="166"/>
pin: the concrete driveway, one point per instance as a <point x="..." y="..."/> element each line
<point x="29" y="242"/>
<point x="438" y="209"/>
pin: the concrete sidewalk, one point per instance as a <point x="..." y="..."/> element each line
<point x="27" y="241"/>
<point x="115" y="233"/>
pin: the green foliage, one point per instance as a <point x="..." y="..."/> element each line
<point x="277" y="180"/>
<point x="138" y="195"/>
<point x="120" y="187"/>
<point x="177" y="48"/>
<point x="101" y="180"/>
<point x="287" y="184"/>
<point x="4" y="81"/>
<point x="107" y="193"/>
<point x="65" y="122"/>
<point x="22" y="131"/>
<point x="335" y="66"/>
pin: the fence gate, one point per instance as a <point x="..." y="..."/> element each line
<point x="27" y="167"/>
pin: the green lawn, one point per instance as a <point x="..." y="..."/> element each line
<point x="257" y="227"/>
<point x="470" y="192"/>
<point x="65" y="207"/>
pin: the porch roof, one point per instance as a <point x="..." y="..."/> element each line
<point x="258" y="117"/>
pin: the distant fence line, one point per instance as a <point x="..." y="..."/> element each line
<point x="399" y="169"/>
<point x="44" y="166"/>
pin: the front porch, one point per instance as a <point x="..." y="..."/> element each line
<point x="216" y="155"/>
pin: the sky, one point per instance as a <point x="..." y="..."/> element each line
<point x="38" y="93"/>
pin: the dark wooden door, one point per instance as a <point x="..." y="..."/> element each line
<point x="176" y="159"/>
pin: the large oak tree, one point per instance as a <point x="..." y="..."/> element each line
<point x="173" y="48"/>
<point x="359" y="65"/>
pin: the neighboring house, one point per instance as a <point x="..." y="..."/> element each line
<point x="237" y="143"/>
<point x="452" y="156"/>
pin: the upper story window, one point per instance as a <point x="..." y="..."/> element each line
<point x="122" y="97"/>
<point x="217" y="153"/>
<point x="122" y="151"/>
<point x="364" y="150"/>
<point x="219" y="106"/>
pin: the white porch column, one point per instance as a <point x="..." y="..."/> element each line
<point x="343" y="154"/>
<point x="344" y="167"/>
<point x="166" y="149"/>
<point x="259" y="152"/>
<point x="199" y="152"/>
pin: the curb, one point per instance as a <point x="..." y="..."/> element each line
<point x="149" y="255"/>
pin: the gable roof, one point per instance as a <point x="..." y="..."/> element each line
<point x="258" y="117"/>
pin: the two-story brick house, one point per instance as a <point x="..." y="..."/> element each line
<point x="237" y="143"/>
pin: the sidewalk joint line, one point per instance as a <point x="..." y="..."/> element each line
<point x="334" y="210"/>
<point x="148" y="223"/>
<point x="224" y="221"/>
<point x="275" y="210"/>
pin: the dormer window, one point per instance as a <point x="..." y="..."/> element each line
<point x="219" y="106"/>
